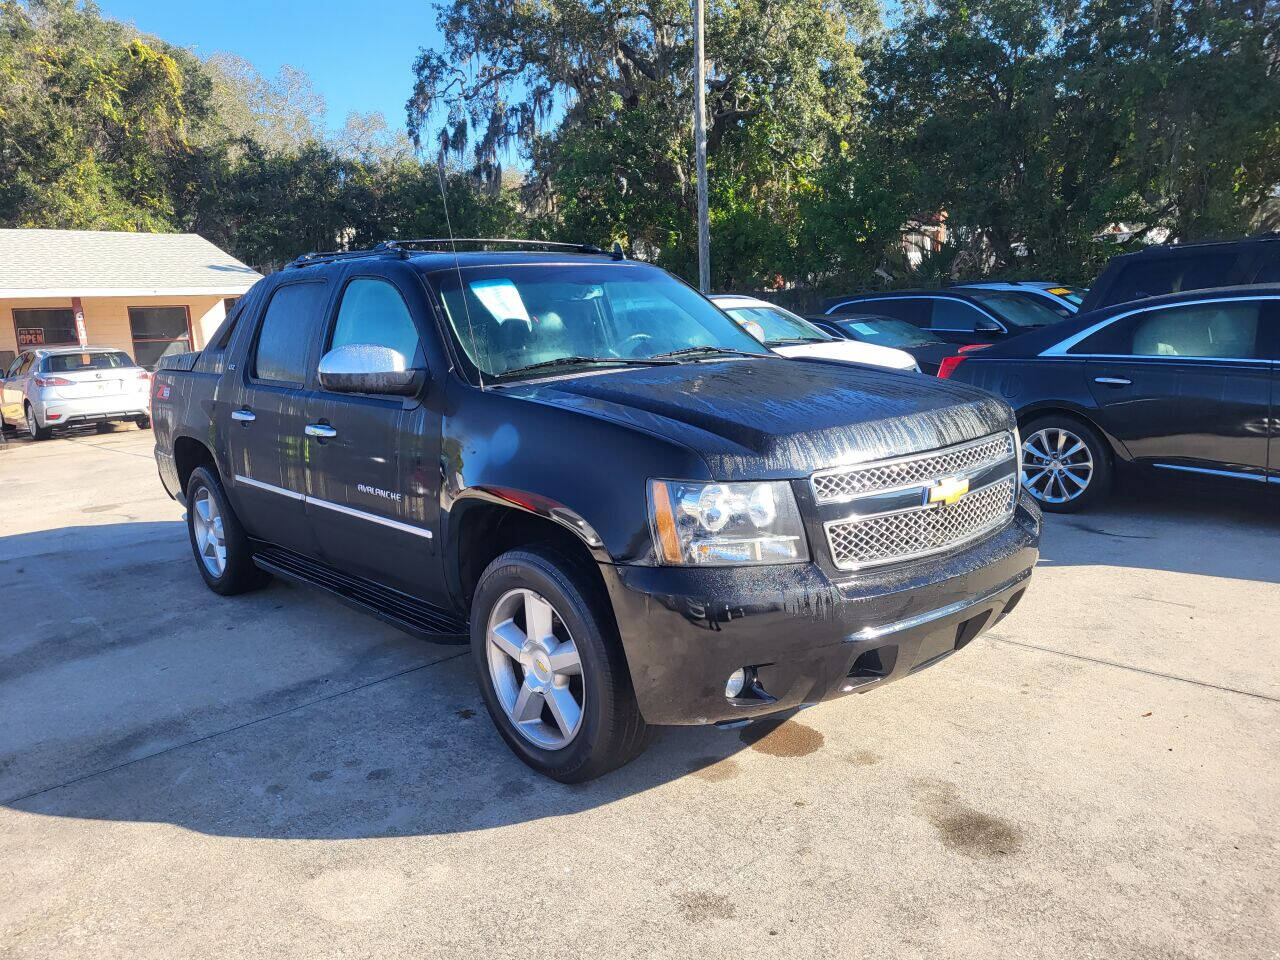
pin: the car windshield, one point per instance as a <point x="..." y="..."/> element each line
<point x="1014" y="308"/>
<point x="71" y="362"/>
<point x="887" y="332"/>
<point x="780" y="326"/>
<point x="510" y="318"/>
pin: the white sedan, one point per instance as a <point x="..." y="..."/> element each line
<point x="792" y="336"/>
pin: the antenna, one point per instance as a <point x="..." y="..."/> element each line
<point x="457" y="267"/>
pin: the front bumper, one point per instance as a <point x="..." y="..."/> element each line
<point x="807" y="636"/>
<point x="60" y="413"/>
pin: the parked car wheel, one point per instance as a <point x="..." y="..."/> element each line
<point x="551" y="666"/>
<point x="33" y="427"/>
<point x="1066" y="465"/>
<point x="144" y="423"/>
<point x="218" y="541"/>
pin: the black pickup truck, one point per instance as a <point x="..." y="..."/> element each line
<point x="632" y="511"/>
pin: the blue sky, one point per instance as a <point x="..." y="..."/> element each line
<point x="359" y="55"/>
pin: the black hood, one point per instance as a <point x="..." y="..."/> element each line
<point x="775" y="417"/>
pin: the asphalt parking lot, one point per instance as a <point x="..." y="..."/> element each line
<point x="273" y="775"/>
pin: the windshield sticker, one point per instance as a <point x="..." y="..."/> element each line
<point x="501" y="298"/>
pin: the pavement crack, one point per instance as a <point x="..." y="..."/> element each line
<point x="232" y="729"/>
<point x="1150" y="673"/>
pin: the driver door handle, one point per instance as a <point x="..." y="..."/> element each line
<point x="244" y="416"/>
<point x="320" y="430"/>
<point x="1113" y="381"/>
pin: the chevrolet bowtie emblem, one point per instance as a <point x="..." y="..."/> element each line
<point x="946" y="491"/>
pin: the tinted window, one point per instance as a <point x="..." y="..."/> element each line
<point x="373" y="311"/>
<point x="951" y="314"/>
<point x="71" y="362"/>
<point x="287" y="329"/>
<point x="1227" y="330"/>
<point x="1156" y="276"/>
<point x="911" y="309"/>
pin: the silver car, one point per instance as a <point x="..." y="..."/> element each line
<point x="51" y="387"/>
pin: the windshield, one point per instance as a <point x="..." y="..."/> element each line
<point x="887" y="332"/>
<point x="71" y="362"/>
<point x="1015" y="308"/>
<point x="507" y="318"/>
<point x="780" y="326"/>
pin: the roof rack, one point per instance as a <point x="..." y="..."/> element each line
<point x="400" y="248"/>
<point x="589" y="248"/>
<point x="326" y="256"/>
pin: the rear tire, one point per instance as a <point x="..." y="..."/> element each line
<point x="144" y="423"/>
<point x="580" y="664"/>
<point x="221" y="548"/>
<point x="37" y="432"/>
<point x="1081" y="454"/>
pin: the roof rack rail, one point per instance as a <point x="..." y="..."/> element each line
<point x="325" y="256"/>
<point x="589" y="248"/>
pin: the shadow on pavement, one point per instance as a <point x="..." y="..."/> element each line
<point x="129" y="692"/>
<point x="1203" y="530"/>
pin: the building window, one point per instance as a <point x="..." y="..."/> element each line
<point x="45" y="327"/>
<point x="158" y="332"/>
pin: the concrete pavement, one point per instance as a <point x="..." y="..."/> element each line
<point x="183" y="775"/>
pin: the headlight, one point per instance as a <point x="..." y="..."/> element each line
<point x="725" y="524"/>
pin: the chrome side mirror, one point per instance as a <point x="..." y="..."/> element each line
<point x="369" y="368"/>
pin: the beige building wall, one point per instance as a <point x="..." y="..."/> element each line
<point x="106" y="319"/>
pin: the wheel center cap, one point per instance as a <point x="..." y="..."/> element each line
<point x="1056" y="464"/>
<point x="539" y="663"/>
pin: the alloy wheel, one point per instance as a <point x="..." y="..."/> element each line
<point x="1056" y="465"/>
<point x="206" y="522"/>
<point x="31" y="422"/>
<point x="535" y="668"/>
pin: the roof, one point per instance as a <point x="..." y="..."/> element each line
<point x="99" y="263"/>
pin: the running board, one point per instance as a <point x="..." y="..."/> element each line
<point x="398" y="609"/>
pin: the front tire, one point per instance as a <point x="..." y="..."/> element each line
<point x="551" y="667"/>
<point x="218" y="541"/>
<point x="1066" y="465"/>
<point x="144" y="423"/>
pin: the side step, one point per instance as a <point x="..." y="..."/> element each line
<point x="398" y="609"/>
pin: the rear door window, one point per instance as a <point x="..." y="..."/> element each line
<point x="956" y="315"/>
<point x="914" y="310"/>
<point x="1226" y="330"/>
<point x="288" y="331"/>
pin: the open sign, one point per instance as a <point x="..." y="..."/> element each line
<point x="30" y="336"/>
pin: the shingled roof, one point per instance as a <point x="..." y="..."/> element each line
<point x="97" y="263"/>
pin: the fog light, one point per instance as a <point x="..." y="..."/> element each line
<point x="737" y="680"/>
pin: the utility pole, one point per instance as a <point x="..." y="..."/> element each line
<point x="700" y="147"/>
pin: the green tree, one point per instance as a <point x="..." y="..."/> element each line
<point x="599" y="96"/>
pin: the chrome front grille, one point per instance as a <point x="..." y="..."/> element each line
<point x="859" y="542"/>
<point x="847" y="483"/>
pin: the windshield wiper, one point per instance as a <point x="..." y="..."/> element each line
<point x="708" y="349"/>
<point x="792" y="341"/>
<point x="569" y="361"/>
